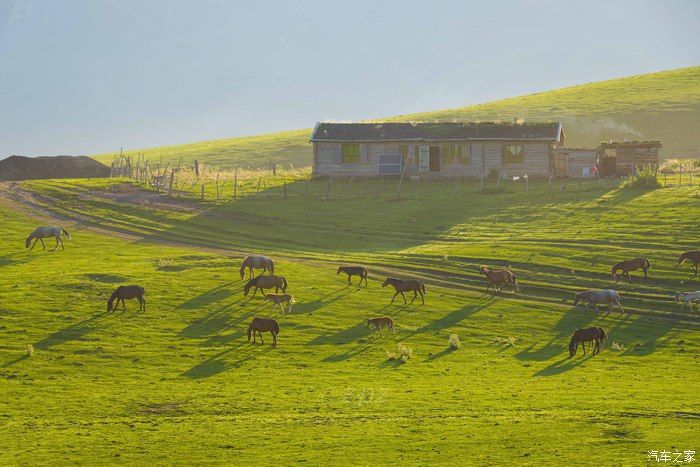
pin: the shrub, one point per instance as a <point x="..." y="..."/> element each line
<point x="403" y="353"/>
<point x="165" y="263"/>
<point x="646" y="177"/>
<point x="454" y="342"/>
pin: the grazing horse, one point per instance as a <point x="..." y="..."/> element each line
<point x="265" y="282"/>
<point x="595" y="297"/>
<point x="126" y="292"/>
<point x="693" y="256"/>
<point x="592" y="335"/>
<point x="377" y="324"/>
<point x="687" y="298"/>
<point x="408" y="285"/>
<point x="279" y="299"/>
<point x="261" y="325"/>
<point x="40" y="233"/>
<point x="502" y="276"/>
<point x="257" y="262"/>
<point x="630" y="265"/>
<point x="354" y="271"/>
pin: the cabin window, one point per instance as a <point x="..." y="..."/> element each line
<point x="409" y="153"/>
<point x="454" y="154"/>
<point x="512" y="154"/>
<point x="351" y="153"/>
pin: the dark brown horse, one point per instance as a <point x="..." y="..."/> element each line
<point x="261" y="325"/>
<point x="693" y="256"/>
<point x="126" y="292"/>
<point x="354" y="271"/>
<point x="590" y="335"/>
<point x="265" y="282"/>
<point x="630" y="265"/>
<point x="407" y="285"/>
<point x="502" y="276"/>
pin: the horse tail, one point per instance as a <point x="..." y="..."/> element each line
<point x="284" y="281"/>
<point x="272" y="267"/>
<point x="422" y="287"/>
<point x="515" y="282"/>
<point x="647" y="263"/>
<point x="65" y="232"/>
<point x="243" y="266"/>
<point x="603" y="334"/>
<point x="250" y="329"/>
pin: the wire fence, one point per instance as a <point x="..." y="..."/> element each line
<point x="214" y="184"/>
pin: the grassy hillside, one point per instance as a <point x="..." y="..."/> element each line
<point x="145" y="388"/>
<point x="663" y="106"/>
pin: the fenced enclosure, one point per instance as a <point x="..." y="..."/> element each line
<point x="199" y="181"/>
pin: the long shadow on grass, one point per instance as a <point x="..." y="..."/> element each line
<point x="564" y="364"/>
<point x="230" y="358"/>
<point x="74" y="332"/>
<point x="654" y="333"/>
<point x="219" y="292"/>
<point x="315" y="305"/>
<point x="568" y="322"/>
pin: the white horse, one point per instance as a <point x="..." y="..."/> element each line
<point x="257" y="262"/>
<point x="687" y="298"/>
<point x="40" y="233"/>
<point x="595" y="297"/>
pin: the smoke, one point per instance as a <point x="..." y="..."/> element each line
<point x="601" y="127"/>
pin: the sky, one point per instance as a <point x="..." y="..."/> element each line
<point x="90" y="76"/>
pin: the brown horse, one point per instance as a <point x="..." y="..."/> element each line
<point x="257" y="262"/>
<point x="630" y="265"/>
<point x="278" y="299"/>
<point x="693" y="256"/>
<point x="354" y="271"/>
<point x="126" y="292"/>
<point x="408" y="285"/>
<point x="591" y="335"/>
<point x="261" y="325"/>
<point x="265" y="282"/>
<point x="502" y="276"/>
<point x="377" y="324"/>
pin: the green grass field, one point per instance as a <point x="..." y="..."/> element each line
<point x="180" y="383"/>
<point x="664" y="105"/>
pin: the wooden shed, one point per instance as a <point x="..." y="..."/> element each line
<point x="621" y="158"/>
<point x="435" y="150"/>
<point x="575" y="162"/>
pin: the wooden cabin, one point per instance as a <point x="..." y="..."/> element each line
<point x="621" y="158"/>
<point x="435" y="150"/>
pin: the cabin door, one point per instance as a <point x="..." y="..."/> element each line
<point x="434" y="158"/>
<point x="560" y="165"/>
<point x="608" y="166"/>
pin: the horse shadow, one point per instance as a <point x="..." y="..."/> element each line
<point x="567" y="324"/>
<point x="233" y="357"/>
<point x="565" y="364"/>
<point x="314" y="305"/>
<point x="216" y="294"/>
<point x="217" y="321"/>
<point x="656" y="333"/>
<point x="74" y="332"/>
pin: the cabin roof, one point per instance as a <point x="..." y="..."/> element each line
<point x="443" y="131"/>
<point x="630" y="144"/>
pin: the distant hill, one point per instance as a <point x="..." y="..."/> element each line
<point x="664" y="105"/>
<point x="33" y="168"/>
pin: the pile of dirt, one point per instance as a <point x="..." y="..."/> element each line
<point x="31" y="168"/>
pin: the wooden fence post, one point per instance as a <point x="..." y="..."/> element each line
<point x="235" y="185"/>
<point x="328" y="189"/>
<point x="202" y="189"/>
<point x="306" y="191"/>
<point x="285" y="190"/>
